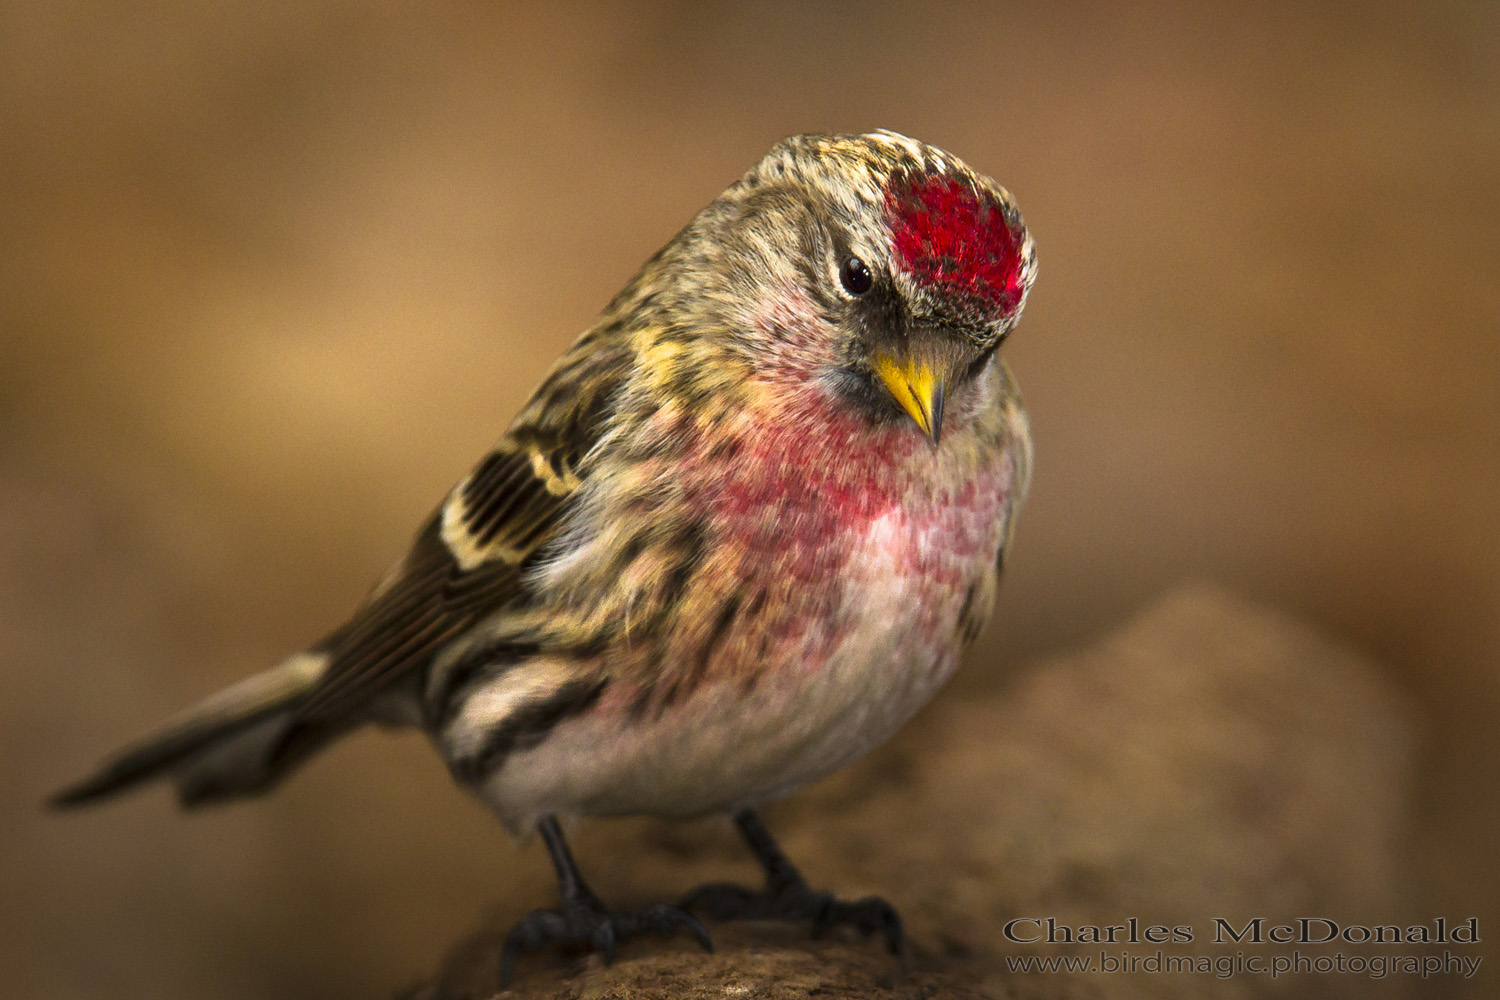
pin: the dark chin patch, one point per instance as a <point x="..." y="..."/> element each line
<point x="956" y="239"/>
<point x="979" y="364"/>
<point x="859" y="390"/>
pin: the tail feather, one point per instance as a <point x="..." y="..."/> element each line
<point x="220" y="748"/>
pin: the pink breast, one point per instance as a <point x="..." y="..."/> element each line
<point x="801" y="491"/>
<point x="799" y="499"/>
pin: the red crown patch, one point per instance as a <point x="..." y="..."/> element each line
<point x="945" y="234"/>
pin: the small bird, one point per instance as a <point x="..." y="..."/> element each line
<point x="740" y="534"/>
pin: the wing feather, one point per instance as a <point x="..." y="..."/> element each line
<point x="469" y="559"/>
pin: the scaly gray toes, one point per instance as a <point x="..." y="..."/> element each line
<point x="595" y="928"/>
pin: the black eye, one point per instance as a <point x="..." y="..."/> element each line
<point x="855" y="276"/>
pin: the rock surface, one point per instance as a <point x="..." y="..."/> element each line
<point x="1211" y="759"/>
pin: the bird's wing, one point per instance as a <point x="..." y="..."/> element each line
<point x="468" y="560"/>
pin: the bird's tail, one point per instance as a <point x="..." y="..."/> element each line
<point x="224" y="747"/>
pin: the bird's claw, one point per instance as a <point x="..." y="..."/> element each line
<point x="589" y="924"/>
<point x="796" y="901"/>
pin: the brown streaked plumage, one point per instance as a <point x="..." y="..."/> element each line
<point x="741" y="532"/>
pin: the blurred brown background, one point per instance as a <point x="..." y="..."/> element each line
<point x="271" y="278"/>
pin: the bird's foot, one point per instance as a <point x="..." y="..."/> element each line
<point x="584" y="921"/>
<point x="787" y="897"/>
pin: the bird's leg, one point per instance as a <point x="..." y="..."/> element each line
<point x="583" y="919"/>
<point x="787" y="896"/>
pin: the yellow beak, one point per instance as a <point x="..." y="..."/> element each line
<point x="918" y="387"/>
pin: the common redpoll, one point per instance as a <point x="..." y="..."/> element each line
<point x="740" y="534"/>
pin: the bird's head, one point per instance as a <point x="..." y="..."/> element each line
<point x="874" y="265"/>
